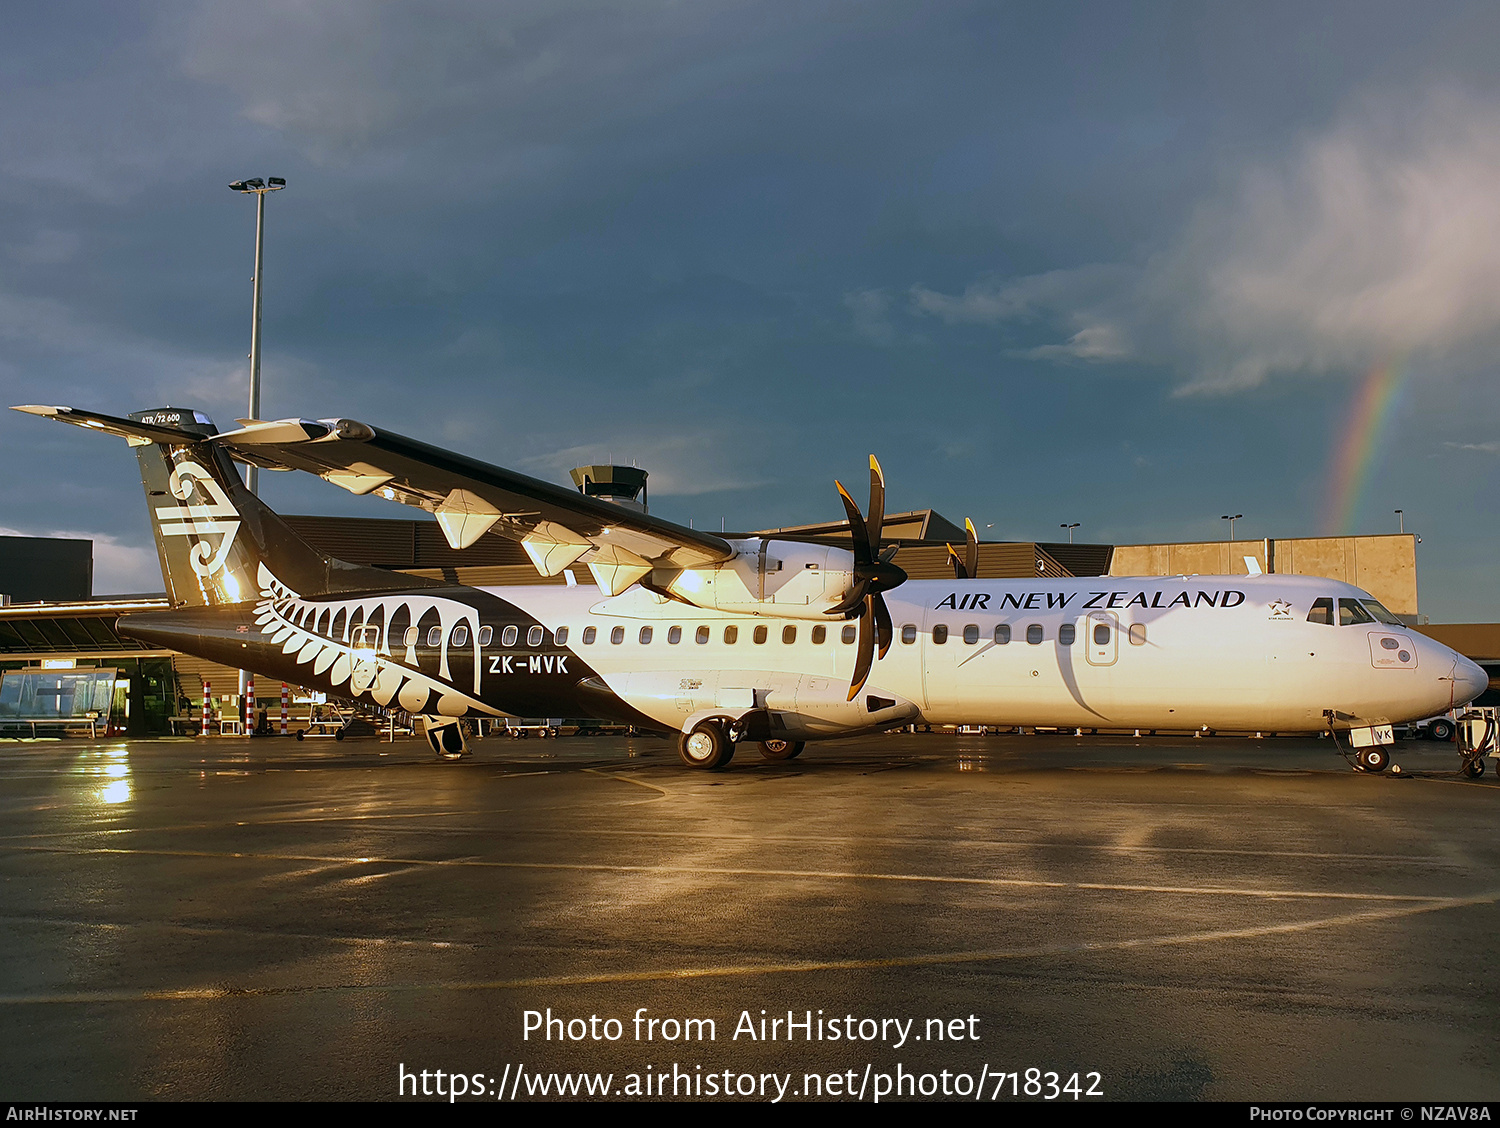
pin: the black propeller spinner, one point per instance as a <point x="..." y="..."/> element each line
<point x="873" y="573"/>
<point x="967" y="566"/>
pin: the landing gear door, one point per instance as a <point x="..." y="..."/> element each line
<point x="1103" y="638"/>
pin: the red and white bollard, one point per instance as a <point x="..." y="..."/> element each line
<point x="208" y="705"/>
<point x="283" y="708"/>
<point x="249" y="704"/>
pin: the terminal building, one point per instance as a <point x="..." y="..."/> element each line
<point x="58" y="641"/>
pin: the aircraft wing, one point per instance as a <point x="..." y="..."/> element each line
<point x="557" y="526"/>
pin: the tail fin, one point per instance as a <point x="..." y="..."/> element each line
<point x="218" y="543"/>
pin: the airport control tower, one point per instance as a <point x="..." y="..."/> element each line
<point x="620" y="485"/>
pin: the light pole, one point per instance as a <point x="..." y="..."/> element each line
<point x="259" y="187"/>
<point x="1070" y="529"/>
<point x="1231" y="520"/>
<point x="1401" y="517"/>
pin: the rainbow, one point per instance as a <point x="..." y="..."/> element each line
<point x="1354" y="459"/>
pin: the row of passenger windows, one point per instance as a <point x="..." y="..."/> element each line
<point x="1351" y="611"/>
<point x="1035" y="634"/>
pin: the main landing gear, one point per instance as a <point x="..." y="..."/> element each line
<point x="1372" y="759"/>
<point x="711" y="745"/>
<point x="707" y="747"/>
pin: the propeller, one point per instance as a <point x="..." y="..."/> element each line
<point x="873" y="573"/>
<point x="966" y="567"/>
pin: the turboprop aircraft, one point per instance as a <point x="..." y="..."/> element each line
<point x="726" y="639"/>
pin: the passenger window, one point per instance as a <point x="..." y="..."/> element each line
<point x="908" y="633"/>
<point x="759" y="635"/>
<point x="819" y="635"/>
<point x="700" y="636"/>
<point x="435" y="636"/>
<point x="1381" y="614"/>
<point x="731" y="635"/>
<point x="486" y="634"/>
<point x="846" y="636"/>
<point x="617" y="636"/>
<point x="645" y="636"/>
<point x="508" y="636"/>
<point x="1322" y="612"/>
<point x="460" y="636"/>
<point x="1137" y="634"/>
<point x="1002" y="634"/>
<point x="939" y="634"/>
<point x="1034" y="633"/>
<point x="589" y="634"/>
<point x="534" y="636"/>
<point x="971" y="634"/>
<point x="1350" y="612"/>
<point x="788" y="635"/>
<point x="1068" y="632"/>
<point x="560" y="636"/>
<point x="412" y="634"/>
<point x="1101" y="634"/>
<point x="674" y="635"/>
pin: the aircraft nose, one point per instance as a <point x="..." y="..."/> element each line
<point x="1469" y="681"/>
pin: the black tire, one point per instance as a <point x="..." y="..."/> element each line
<point x="1374" y="759"/>
<point x="781" y="749"/>
<point x="707" y="747"/>
<point x="300" y="734"/>
<point x="1474" y="768"/>
<point x="339" y="735"/>
<point x="1441" y="730"/>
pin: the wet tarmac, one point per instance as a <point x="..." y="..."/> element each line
<point x="1160" y="918"/>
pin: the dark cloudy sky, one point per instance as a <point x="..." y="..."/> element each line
<point x="1129" y="265"/>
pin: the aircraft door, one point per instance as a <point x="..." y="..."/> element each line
<point x="1103" y="638"/>
<point x="365" y="641"/>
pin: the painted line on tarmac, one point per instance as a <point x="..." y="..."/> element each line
<point x="794" y="967"/>
<point x="736" y="871"/>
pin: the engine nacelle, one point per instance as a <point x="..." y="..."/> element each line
<point x="787" y="579"/>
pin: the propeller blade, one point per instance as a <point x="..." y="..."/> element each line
<point x="959" y="571"/>
<point x="971" y="552"/>
<point x="865" y="657"/>
<point x="852" y="600"/>
<point x="889" y="553"/>
<point x="876" y="517"/>
<point x="862" y="553"/>
<point x="882" y="622"/>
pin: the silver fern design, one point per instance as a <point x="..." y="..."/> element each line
<point x="362" y="654"/>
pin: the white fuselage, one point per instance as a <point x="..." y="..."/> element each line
<point x="1230" y="653"/>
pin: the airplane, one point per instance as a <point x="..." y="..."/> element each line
<point x="724" y="639"/>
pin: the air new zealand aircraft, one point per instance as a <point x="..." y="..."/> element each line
<point x="724" y="639"/>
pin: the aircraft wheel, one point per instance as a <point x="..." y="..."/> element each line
<point x="1374" y="759"/>
<point x="1474" y="768"/>
<point x="339" y="735"/>
<point x="708" y="746"/>
<point x="1441" y="730"/>
<point x="300" y="733"/>
<point x="781" y="749"/>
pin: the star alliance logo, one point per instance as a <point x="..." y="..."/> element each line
<point x="1281" y="609"/>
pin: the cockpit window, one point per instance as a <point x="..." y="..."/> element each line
<point x="1350" y="612"/>
<point x="1376" y="608"/>
<point x="1322" y="612"/>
